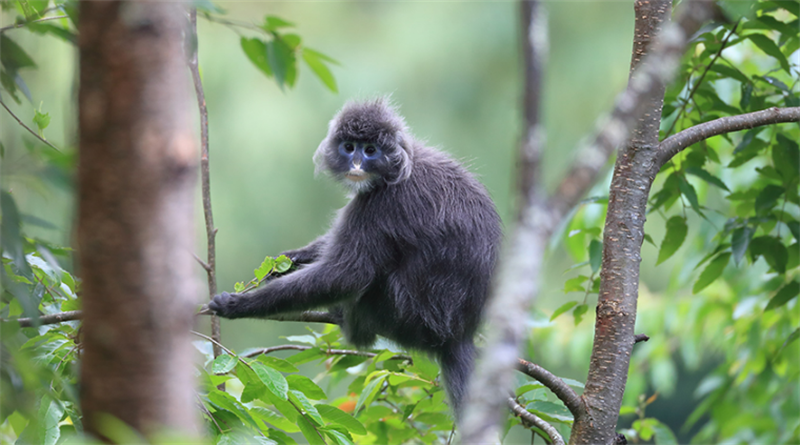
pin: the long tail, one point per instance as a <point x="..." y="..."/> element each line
<point x="457" y="361"/>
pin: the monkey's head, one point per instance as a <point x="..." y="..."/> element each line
<point x="367" y="143"/>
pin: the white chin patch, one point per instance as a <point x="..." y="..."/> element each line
<point x="358" y="183"/>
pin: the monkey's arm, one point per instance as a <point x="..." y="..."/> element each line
<point x="309" y="253"/>
<point x="318" y="284"/>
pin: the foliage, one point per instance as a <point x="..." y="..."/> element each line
<point x="730" y="212"/>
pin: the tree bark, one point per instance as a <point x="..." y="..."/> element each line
<point x="622" y="241"/>
<point x="136" y="182"/>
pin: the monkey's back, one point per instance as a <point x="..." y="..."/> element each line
<point x="434" y="238"/>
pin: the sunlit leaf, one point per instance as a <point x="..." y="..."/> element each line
<point x="337" y="416"/>
<point x="314" y="61"/>
<point x="224" y="363"/>
<point x="256" y="50"/>
<point x="740" y="240"/>
<point x="274" y="380"/>
<point x="306" y="386"/>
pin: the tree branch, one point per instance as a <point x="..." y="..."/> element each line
<point x="36" y="135"/>
<point x="211" y="264"/>
<point x="23" y="24"/>
<point x="564" y="393"/>
<point x="327" y="351"/>
<point x="46" y="319"/>
<point x="533" y="420"/>
<point x="676" y="143"/>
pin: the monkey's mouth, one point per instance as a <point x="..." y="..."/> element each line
<point x="356" y="175"/>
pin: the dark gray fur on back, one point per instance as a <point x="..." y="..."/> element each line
<point x="410" y="257"/>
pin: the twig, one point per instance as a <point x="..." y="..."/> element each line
<point x="702" y="76"/>
<point x="202" y="263"/>
<point x="564" y="393"/>
<point x="46" y="319"/>
<point x="531" y="419"/>
<point x="326" y="351"/>
<point x="216" y="343"/>
<point x="211" y="232"/>
<point x="23" y="24"/>
<point x="674" y="144"/>
<point x="28" y="128"/>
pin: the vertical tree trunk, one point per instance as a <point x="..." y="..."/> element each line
<point x="622" y="241"/>
<point x="135" y="230"/>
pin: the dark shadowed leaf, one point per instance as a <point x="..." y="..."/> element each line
<point x="747" y="94"/>
<point x="282" y="61"/>
<point x="740" y="239"/>
<point x="768" y="197"/>
<point x="770" y="48"/>
<point x="773" y="251"/>
<point x="784" y="295"/>
<point x="786" y="158"/>
<point x="673" y="239"/>
<point x="12" y="56"/>
<point x="689" y="192"/>
<point x="595" y="255"/>
<point x="711" y="272"/>
<point x="579" y="312"/>
<point x="706" y="176"/>
<point x="11" y="238"/>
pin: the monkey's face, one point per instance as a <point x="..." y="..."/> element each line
<point x="359" y="163"/>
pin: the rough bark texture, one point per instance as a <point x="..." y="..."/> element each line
<point x="135" y="230"/>
<point x="622" y="240"/>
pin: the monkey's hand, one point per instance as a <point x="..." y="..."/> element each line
<point x="302" y="256"/>
<point x="226" y="305"/>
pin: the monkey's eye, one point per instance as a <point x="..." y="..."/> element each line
<point x="348" y="147"/>
<point x="370" y="150"/>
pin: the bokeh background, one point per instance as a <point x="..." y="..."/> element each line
<point x="454" y="69"/>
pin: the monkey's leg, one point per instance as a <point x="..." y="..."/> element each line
<point x="318" y="284"/>
<point x="457" y="360"/>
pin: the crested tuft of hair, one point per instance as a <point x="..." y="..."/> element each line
<point x="374" y="120"/>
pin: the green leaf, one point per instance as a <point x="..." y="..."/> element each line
<point x="11" y="238"/>
<point x="688" y="191"/>
<point x="300" y="400"/>
<point x="664" y="435"/>
<point x="730" y="72"/>
<point x="770" y="48"/>
<point x="50" y="413"/>
<point x="42" y="120"/>
<point x="271" y="23"/>
<point x="227" y="402"/>
<point x="277" y="363"/>
<point x="550" y="411"/>
<point x="339" y="417"/>
<point x="314" y="61"/>
<point x="563" y="308"/>
<point x="256" y="51"/>
<point x="310" y="432"/>
<point x="649" y="239"/>
<point x="579" y="312"/>
<point x="740" y="240"/>
<point x="768" y="197"/>
<point x="595" y="255"/>
<point x="306" y="386"/>
<point x="747" y="94"/>
<point x="274" y="380"/>
<point x="282" y="264"/>
<point x="786" y="158"/>
<point x="673" y="239"/>
<point x="372" y="389"/>
<point x="706" y="176"/>
<point x="575" y="284"/>
<point x="265" y="268"/>
<point x="281" y="59"/>
<point x="223" y="364"/>
<point x="784" y="295"/>
<point x="711" y="272"/>
<point x="274" y="419"/>
<point x="12" y="56"/>
<point x="339" y="437"/>
<point x="773" y="251"/>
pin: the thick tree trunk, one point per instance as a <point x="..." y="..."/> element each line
<point x="622" y="241"/>
<point x="135" y="230"/>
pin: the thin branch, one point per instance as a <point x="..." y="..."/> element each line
<point x="678" y="142"/>
<point x="218" y="344"/>
<point x="564" y="393"/>
<point x="46" y="319"/>
<point x="28" y="128"/>
<point x="531" y="419"/>
<point x="638" y="338"/>
<point x="211" y="264"/>
<point x="202" y="263"/>
<point x="327" y="351"/>
<point x="23" y="24"/>
<point x="703" y="75"/>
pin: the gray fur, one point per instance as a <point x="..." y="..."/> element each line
<point x="410" y="257"/>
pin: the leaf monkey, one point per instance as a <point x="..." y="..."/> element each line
<point x="411" y="255"/>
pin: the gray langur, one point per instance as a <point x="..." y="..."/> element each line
<point x="410" y="257"/>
